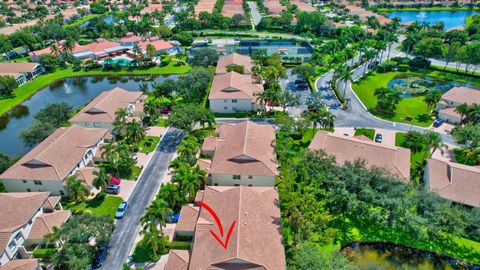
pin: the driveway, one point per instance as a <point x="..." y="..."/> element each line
<point x="145" y="190"/>
<point x="256" y="17"/>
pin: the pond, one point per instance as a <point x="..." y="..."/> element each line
<point x="388" y="256"/>
<point x="451" y="19"/>
<point x="74" y="91"/>
<point x="424" y="83"/>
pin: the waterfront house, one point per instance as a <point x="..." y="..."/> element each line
<point x="100" y="112"/>
<point x="21" y="72"/>
<point x="47" y="166"/>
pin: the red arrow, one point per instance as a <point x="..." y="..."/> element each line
<point x="219" y="225"/>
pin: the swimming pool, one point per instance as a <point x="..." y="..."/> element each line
<point x="118" y="61"/>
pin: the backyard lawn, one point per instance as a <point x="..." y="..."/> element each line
<point x="414" y="107"/>
<point x="144" y="253"/>
<point x="106" y="206"/>
<point x="28" y="89"/>
<point x="415" y="158"/>
<point x="367" y="132"/>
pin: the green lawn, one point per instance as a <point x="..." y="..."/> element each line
<point x="414" y="108"/>
<point x="148" y="144"/>
<point x="457" y="247"/>
<point x="161" y="122"/>
<point x="144" y="253"/>
<point x="367" y="132"/>
<point x="27" y="90"/>
<point x="107" y="206"/>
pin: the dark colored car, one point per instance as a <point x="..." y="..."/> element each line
<point x="438" y="123"/>
<point x="298" y="81"/>
<point x="100" y="256"/>
<point x="378" y="138"/>
<point x="113" y="189"/>
<point x="122" y="210"/>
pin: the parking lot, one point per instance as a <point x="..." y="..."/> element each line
<point x="301" y="89"/>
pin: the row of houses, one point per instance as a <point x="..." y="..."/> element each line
<point x="233" y="88"/>
<point x="72" y="150"/>
<point x="103" y="48"/>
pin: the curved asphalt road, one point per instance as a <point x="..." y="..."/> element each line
<point x="357" y="115"/>
<point x="127" y="228"/>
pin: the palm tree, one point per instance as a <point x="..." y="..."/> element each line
<point x="315" y="118"/>
<point x="368" y="56"/>
<point x="151" y="108"/>
<point x="77" y="190"/>
<point x="101" y="179"/>
<point x="262" y="98"/>
<point x="108" y="149"/>
<point x="345" y="73"/>
<point x="151" y="51"/>
<point x="189" y="147"/>
<point x="432" y="97"/>
<point x="55" y="49"/>
<point x="170" y="193"/>
<point x="328" y="119"/>
<point x="120" y="123"/>
<point x="153" y="238"/>
<point x="159" y="211"/>
<point x="434" y="141"/>
<point x="135" y="132"/>
<point x="68" y="45"/>
<point x="136" y="50"/>
<point x="463" y="110"/>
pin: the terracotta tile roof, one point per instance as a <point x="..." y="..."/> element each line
<point x="233" y="85"/>
<point x="21" y="264"/>
<point x="99" y="46"/>
<point x="51" y="202"/>
<point x="450" y="111"/>
<point x="245" y="148"/>
<point x="234" y="59"/>
<point x="395" y="160"/>
<point x="152" y="7"/>
<point x="45" y="223"/>
<point x="188" y="218"/>
<point x="159" y="45"/>
<point x="210" y="143"/>
<point x="15" y="68"/>
<point x="455" y="182"/>
<point x="462" y="95"/>
<point x="177" y="260"/>
<point x="204" y="164"/>
<point x="103" y="107"/>
<point x="86" y="173"/>
<point x="57" y="156"/>
<point x="304" y="6"/>
<point x="132" y="38"/>
<point x="17" y="210"/>
<point x="256" y="240"/>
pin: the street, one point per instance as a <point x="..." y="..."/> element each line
<point x="357" y="115"/>
<point x="128" y="228"/>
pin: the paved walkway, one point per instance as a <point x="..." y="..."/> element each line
<point x="147" y="186"/>
<point x="256" y="17"/>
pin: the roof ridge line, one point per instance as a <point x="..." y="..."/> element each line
<point x="239" y="224"/>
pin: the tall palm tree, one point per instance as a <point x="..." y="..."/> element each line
<point x="101" y="179"/>
<point x="434" y="141"/>
<point x="68" y="45"/>
<point x="463" y="110"/>
<point x="77" y="190"/>
<point x="189" y="147"/>
<point x="159" y="211"/>
<point x="170" y="193"/>
<point x="432" y="97"/>
<point x="135" y="132"/>
<point x="55" y="49"/>
<point x="345" y="73"/>
<point x="328" y="119"/>
<point x="153" y="238"/>
<point x="120" y="123"/>
<point x="262" y="99"/>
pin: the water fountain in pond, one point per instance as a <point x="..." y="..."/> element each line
<point x="422" y="15"/>
<point x="68" y="90"/>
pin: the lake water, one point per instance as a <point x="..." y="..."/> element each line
<point x="451" y="19"/>
<point x="74" y="91"/>
<point x="442" y="85"/>
<point x="387" y="256"/>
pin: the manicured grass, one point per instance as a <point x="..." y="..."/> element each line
<point x="27" y="90"/>
<point x="414" y="107"/>
<point x="108" y="206"/>
<point x="457" y="247"/>
<point x="161" y="122"/>
<point x="44" y="253"/>
<point x="367" y="132"/>
<point x="144" y="253"/>
<point x="460" y="72"/>
<point x="148" y="144"/>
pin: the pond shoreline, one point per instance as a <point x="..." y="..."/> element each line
<point x="27" y="90"/>
<point x="429" y="255"/>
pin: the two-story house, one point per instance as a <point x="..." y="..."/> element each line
<point x="26" y="218"/>
<point x="50" y="163"/>
<point x="234" y="60"/>
<point x="100" y="112"/>
<point x="242" y="154"/>
<point x="447" y="105"/>
<point x="233" y="92"/>
<point x="21" y="72"/>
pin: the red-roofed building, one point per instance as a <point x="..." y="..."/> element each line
<point x="159" y="45"/>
